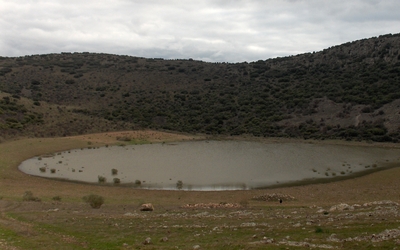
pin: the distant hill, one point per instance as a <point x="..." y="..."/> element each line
<point x="350" y="91"/>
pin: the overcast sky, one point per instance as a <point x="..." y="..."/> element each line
<point x="208" y="30"/>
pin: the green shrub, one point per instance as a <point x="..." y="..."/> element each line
<point x="123" y="138"/>
<point x="42" y="169"/>
<point x="56" y="198"/>
<point x="53" y="170"/>
<point x="94" y="200"/>
<point x="179" y="184"/>
<point x="114" y="171"/>
<point x="117" y="181"/>
<point x="138" y="182"/>
<point x="28" y="196"/>
<point x="101" y="179"/>
<point x="244" y="203"/>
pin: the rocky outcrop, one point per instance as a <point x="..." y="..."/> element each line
<point x="341" y="207"/>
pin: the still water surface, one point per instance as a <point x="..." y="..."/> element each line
<point x="211" y="165"/>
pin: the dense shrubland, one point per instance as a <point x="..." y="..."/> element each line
<point x="344" y="92"/>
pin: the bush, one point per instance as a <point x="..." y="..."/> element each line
<point x="244" y="203"/>
<point x="56" y="198"/>
<point x="28" y="196"/>
<point x="138" y="182"/>
<point x="94" y="200"/>
<point x="69" y="82"/>
<point x="117" y="181"/>
<point x="102" y="179"/>
<point x="114" y="171"/>
<point x="179" y="184"/>
<point x="123" y="138"/>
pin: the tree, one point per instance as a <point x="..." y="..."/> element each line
<point x="179" y="184"/>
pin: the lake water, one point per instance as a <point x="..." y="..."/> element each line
<point x="210" y="165"/>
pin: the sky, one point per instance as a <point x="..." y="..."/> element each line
<point x="207" y="30"/>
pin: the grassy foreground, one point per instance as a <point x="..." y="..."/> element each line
<point x="358" y="213"/>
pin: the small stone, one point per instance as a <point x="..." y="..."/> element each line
<point x="164" y="239"/>
<point x="268" y="240"/>
<point x="147" y="241"/>
<point x="196" y="247"/>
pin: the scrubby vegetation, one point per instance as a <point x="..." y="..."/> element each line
<point x="179" y="184"/>
<point x="94" y="200"/>
<point x="56" y="198"/>
<point x="349" y="92"/>
<point x="28" y="196"/>
<point x="101" y="179"/>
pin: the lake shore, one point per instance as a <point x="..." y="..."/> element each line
<point x="212" y="165"/>
<point x="14" y="183"/>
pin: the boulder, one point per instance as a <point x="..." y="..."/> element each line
<point x="147" y="207"/>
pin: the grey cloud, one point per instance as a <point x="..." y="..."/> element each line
<point x="219" y="30"/>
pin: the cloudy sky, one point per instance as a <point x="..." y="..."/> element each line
<point x="208" y="30"/>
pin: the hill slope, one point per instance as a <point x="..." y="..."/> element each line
<point x="350" y="91"/>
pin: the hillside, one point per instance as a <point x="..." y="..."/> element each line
<point x="350" y="91"/>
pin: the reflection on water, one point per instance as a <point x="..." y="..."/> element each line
<point x="209" y="165"/>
